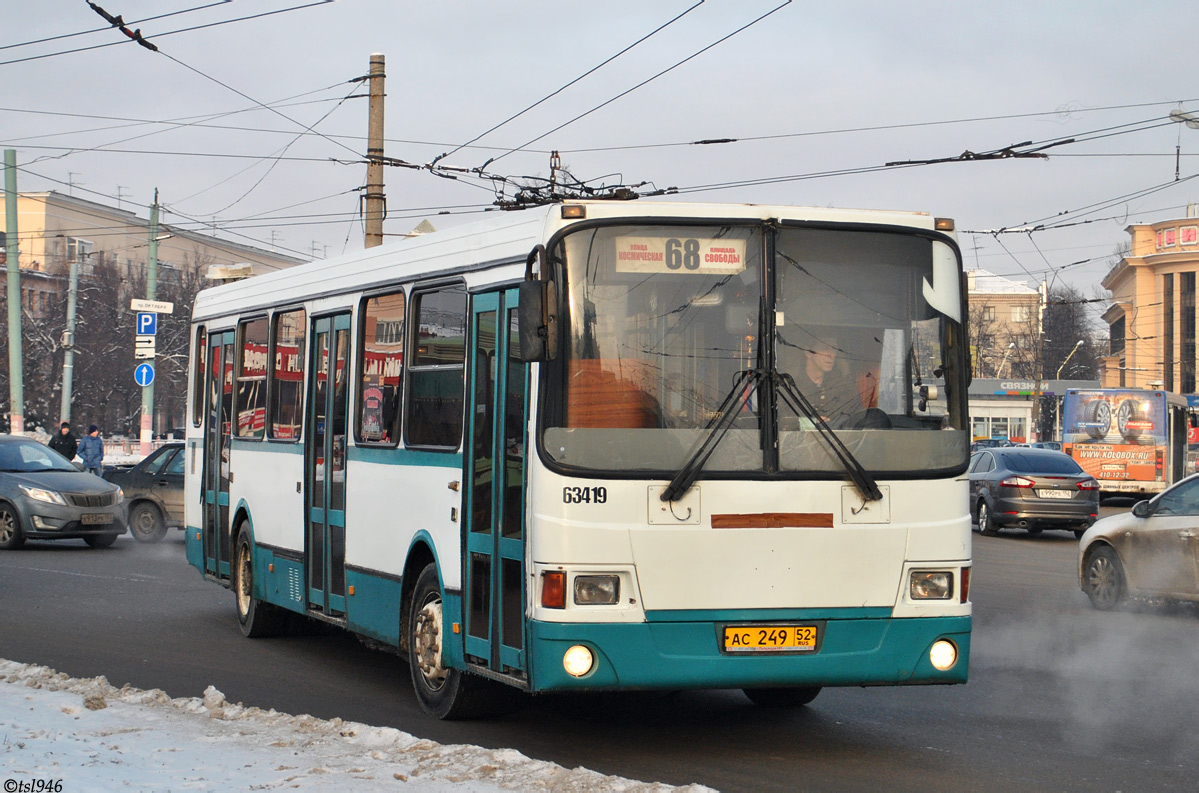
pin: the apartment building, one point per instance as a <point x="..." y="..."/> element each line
<point x="54" y="230"/>
<point x="1152" y="317"/>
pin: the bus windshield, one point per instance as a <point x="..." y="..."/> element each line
<point x="663" y="323"/>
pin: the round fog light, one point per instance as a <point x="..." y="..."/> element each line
<point x="943" y="655"/>
<point x="578" y="661"/>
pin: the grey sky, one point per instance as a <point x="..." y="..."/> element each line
<point x="456" y="68"/>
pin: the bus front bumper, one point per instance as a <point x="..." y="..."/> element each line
<point x="675" y="654"/>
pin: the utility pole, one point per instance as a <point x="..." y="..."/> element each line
<point x="376" y="201"/>
<point x="147" y="427"/>
<point x="1042" y="298"/>
<point x="16" y="377"/>
<point x="68" y="343"/>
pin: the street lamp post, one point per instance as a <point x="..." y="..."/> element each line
<point x="1057" y="423"/>
<point x="1058" y="376"/>
<point x="1006" y="355"/>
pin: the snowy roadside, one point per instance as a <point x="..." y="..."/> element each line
<point x="93" y="736"/>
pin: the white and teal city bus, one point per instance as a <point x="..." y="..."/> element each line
<point x="601" y="446"/>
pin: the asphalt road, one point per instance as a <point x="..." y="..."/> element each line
<point x="1060" y="698"/>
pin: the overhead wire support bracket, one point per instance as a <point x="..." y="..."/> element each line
<point x="118" y="23"/>
<point x="1006" y="153"/>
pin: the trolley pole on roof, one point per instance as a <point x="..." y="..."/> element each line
<point x="16" y="387"/>
<point x="376" y="201"/>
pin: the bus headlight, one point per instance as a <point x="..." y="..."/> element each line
<point x="578" y="661"/>
<point x="927" y="585"/>
<point x="597" y="590"/>
<point x="943" y="655"/>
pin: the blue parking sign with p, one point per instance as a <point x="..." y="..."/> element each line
<point x="147" y="323"/>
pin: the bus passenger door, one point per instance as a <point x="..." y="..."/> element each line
<point x="495" y="496"/>
<point x="325" y="465"/>
<point x="217" y="441"/>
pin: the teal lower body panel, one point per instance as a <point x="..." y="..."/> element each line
<point x="374" y="607"/>
<point x="681" y="654"/>
<point x="194" y="547"/>
<point x="278" y="580"/>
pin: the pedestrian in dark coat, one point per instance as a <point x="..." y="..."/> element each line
<point x="65" y="442"/>
<point x="91" y="449"/>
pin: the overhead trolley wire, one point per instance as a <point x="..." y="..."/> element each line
<point x="585" y="74"/>
<point x="640" y="84"/>
<point x="167" y="33"/>
<point x="108" y="27"/>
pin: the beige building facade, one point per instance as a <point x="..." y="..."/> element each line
<point x="54" y="230"/>
<point x="1152" y="321"/>
<point x="1004" y="317"/>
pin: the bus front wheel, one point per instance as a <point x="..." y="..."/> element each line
<point x="444" y="692"/>
<point x="781" y="697"/>
<point x="257" y="619"/>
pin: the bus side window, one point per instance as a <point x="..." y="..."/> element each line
<point x="287" y="375"/>
<point x="436" y="371"/>
<point x="382" y="368"/>
<point x="251" y="379"/>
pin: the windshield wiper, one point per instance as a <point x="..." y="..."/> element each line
<point x="785" y="385"/>
<point x="744" y="386"/>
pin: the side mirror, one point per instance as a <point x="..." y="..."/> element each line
<point x="1141" y="509"/>
<point x="531" y="329"/>
<point x="537" y="316"/>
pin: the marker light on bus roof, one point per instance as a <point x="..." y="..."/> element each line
<point x="943" y="655"/>
<point x="578" y="661"/>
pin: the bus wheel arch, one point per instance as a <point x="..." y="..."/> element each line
<point x="420" y="556"/>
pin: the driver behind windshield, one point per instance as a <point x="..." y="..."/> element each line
<point x="817" y="359"/>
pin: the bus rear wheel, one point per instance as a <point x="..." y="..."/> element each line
<point x="443" y="692"/>
<point x="257" y="619"/>
<point x="782" y="697"/>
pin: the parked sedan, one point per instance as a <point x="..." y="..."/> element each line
<point x="44" y="497"/>
<point x="1033" y="489"/>
<point x="154" y="492"/>
<point x="1152" y="551"/>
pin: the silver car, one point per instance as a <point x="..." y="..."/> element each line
<point x="44" y="497"/>
<point x="1150" y="552"/>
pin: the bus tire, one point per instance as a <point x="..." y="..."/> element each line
<point x="256" y="618"/>
<point x="445" y="693"/>
<point x="782" y="697"/>
<point x="100" y="540"/>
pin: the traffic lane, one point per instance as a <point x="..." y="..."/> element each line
<point x="1119" y="683"/>
<point x="139" y="614"/>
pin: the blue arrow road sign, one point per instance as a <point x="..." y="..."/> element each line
<point x="144" y="374"/>
<point x="147" y="323"/>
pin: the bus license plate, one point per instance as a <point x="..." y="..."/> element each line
<point x="1054" y="493"/>
<point x="770" y="638"/>
<point x="95" y="518"/>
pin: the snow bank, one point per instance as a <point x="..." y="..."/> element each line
<point x="93" y="736"/>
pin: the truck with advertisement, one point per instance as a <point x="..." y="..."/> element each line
<point x="1132" y="440"/>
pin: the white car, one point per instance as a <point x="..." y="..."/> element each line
<point x="1150" y="552"/>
